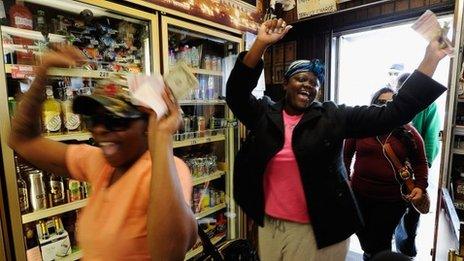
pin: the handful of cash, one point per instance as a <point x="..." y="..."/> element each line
<point x="428" y="26"/>
<point x="146" y="90"/>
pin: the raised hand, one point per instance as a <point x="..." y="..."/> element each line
<point x="169" y="123"/>
<point x="62" y="56"/>
<point x="272" y="31"/>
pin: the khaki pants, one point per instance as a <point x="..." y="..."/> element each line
<point x="281" y="240"/>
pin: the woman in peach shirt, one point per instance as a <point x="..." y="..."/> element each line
<point x="138" y="209"/>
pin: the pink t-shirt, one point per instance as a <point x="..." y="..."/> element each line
<point x="283" y="189"/>
<point x="113" y="225"/>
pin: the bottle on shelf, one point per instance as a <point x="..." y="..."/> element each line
<point x="32" y="242"/>
<point x="72" y="121"/>
<point x="51" y="114"/>
<point x="74" y="189"/>
<point x="12" y="106"/>
<point x="40" y="23"/>
<point x="37" y="195"/>
<point x="56" y="190"/>
<point x="22" y="192"/>
<point x="58" y="225"/>
<point x="3" y="20"/>
<point x="21" y="17"/>
<point x="44" y="235"/>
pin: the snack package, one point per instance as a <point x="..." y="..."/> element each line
<point x="428" y="27"/>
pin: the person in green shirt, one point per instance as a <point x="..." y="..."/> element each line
<point x="427" y="123"/>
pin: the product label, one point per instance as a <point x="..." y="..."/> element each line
<point x="56" y="188"/>
<point x="22" y="22"/>
<point x="52" y="121"/>
<point x="39" y="202"/>
<point x="23" y="199"/>
<point x="72" y="121"/>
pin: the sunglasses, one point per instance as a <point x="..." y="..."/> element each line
<point x="111" y="122"/>
<point x="382" y="101"/>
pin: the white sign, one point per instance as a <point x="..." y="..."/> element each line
<point x="307" y="8"/>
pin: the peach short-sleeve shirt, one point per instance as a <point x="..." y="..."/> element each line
<point x="113" y="225"/>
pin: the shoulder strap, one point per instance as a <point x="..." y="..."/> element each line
<point x="208" y="246"/>
<point x="398" y="166"/>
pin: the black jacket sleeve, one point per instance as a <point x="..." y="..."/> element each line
<point x="418" y="92"/>
<point x="241" y="82"/>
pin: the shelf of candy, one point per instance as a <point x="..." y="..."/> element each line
<point x="215" y="227"/>
<point x="198" y="125"/>
<point x="46" y="194"/>
<point x="207" y="200"/>
<point x="52" y="238"/>
<point x="204" y="168"/>
<point x="109" y="44"/>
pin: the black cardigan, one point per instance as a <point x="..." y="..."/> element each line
<point x="317" y="143"/>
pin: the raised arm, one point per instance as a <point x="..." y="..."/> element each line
<point x="418" y="92"/>
<point x="244" y="77"/>
<point x="25" y="136"/>
<point x="172" y="228"/>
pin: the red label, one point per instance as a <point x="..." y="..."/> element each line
<point x="22" y="71"/>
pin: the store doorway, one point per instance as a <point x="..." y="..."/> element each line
<point x="361" y="65"/>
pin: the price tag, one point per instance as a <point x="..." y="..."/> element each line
<point x="22" y="71"/>
<point x="104" y="74"/>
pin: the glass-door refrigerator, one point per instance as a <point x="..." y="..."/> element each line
<point x="115" y="39"/>
<point x="210" y="136"/>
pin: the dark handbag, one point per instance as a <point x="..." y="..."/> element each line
<point x="230" y="250"/>
<point x="405" y="174"/>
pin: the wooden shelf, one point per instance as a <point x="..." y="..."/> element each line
<point x="49" y="212"/>
<point x="80" y="136"/>
<point x="69" y="72"/>
<point x="206" y="72"/>
<point x="201" y="140"/>
<point x="215" y="175"/>
<point x="194" y="252"/>
<point x="202" y="102"/>
<point x="73" y="256"/>
<point x="459" y="130"/>
<point x="210" y="211"/>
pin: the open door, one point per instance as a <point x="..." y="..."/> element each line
<point x="450" y="203"/>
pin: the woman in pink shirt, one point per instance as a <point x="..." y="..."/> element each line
<point x="138" y="209"/>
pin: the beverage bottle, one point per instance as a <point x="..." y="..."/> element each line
<point x="22" y="189"/>
<point x="56" y="189"/>
<point x="37" y="195"/>
<point x="32" y="243"/>
<point x="40" y="24"/>
<point x="51" y="114"/>
<point x="74" y="187"/>
<point x="72" y="121"/>
<point x="43" y="230"/>
<point x="21" y="17"/>
<point x="3" y="20"/>
<point x="58" y="225"/>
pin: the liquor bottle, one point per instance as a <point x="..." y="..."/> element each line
<point x="56" y="190"/>
<point x="72" y="121"/>
<point x="41" y="25"/>
<point x="86" y="189"/>
<point x="74" y="190"/>
<point x="3" y="20"/>
<point x="21" y="17"/>
<point x="43" y="230"/>
<point x="37" y="195"/>
<point x="51" y="114"/>
<point x="58" y="225"/>
<point x="32" y="243"/>
<point x="22" y="189"/>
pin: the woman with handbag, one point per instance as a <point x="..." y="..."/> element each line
<point x="289" y="174"/>
<point x="382" y="164"/>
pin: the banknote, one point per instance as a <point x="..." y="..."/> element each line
<point x="146" y="90"/>
<point x="181" y="80"/>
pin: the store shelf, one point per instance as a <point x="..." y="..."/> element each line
<point x="460" y="99"/>
<point x="202" y="102"/>
<point x="79" y="136"/>
<point x="194" y="252"/>
<point x="201" y="140"/>
<point x="215" y="175"/>
<point x="30" y="34"/>
<point x="210" y="211"/>
<point x="459" y="130"/>
<point x="73" y="256"/>
<point x="37" y="215"/>
<point x="69" y="72"/>
<point x="458" y="151"/>
<point x="206" y="72"/>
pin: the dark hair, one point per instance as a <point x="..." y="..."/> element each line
<point x="377" y="94"/>
<point x="401" y="79"/>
